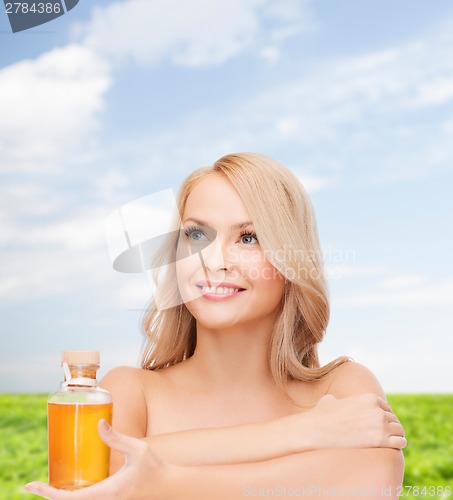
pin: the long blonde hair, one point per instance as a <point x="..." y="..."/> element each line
<point x="286" y="227"/>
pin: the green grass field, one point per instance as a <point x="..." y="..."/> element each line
<point x="428" y="420"/>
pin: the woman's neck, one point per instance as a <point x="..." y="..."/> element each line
<point x="233" y="357"/>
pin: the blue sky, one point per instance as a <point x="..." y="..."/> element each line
<point x="119" y="99"/>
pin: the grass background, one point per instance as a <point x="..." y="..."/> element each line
<point x="427" y="419"/>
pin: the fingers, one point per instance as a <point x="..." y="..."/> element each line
<point x="397" y="442"/>
<point x="117" y="441"/>
<point x="134" y="449"/>
<point x="45" y="491"/>
<point x="396" y="438"/>
<point x="384" y="404"/>
<point x="391" y="417"/>
<point x="39" y="489"/>
<point x="396" y="429"/>
<point x="99" y="491"/>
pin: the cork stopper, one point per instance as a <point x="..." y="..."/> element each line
<point x="81" y="364"/>
<point x="80" y="357"/>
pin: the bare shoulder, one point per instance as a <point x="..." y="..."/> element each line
<point x="126" y="384"/>
<point x="351" y="378"/>
<point x="123" y="380"/>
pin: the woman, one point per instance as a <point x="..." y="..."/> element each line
<point x="231" y="400"/>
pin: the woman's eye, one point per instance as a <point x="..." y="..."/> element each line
<point x="195" y="234"/>
<point x="249" y="239"/>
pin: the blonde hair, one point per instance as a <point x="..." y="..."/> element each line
<point x="284" y="221"/>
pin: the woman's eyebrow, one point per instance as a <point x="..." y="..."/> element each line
<point x="197" y="221"/>
<point x="200" y="222"/>
<point x="240" y="225"/>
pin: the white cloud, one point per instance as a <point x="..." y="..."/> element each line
<point x="36" y="372"/>
<point x="439" y="294"/>
<point x="437" y="91"/>
<point x="295" y="17"/>
<point x="112" y="182"/>
<point x="84" y="230"/>
<point x="195" y="33"/>
<point x="24" y="199"/>
<point x="399" y="371"/>
<point x="33" y="273"/>
<point x="345" y="268"/>
<point x="403" y="281"/>
<point x="132" y="292"/>
<point x="49" y="106"/>
<point x="53" y="256"/>
<point x="26" y="373"/>
<point x="313" y="183"/>
<point x="341" y="92"/>
<point x="356" y="115"/>
<point x="270" y="54"/>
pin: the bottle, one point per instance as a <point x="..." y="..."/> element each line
<point x="77" y="455"/>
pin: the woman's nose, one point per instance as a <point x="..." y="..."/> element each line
<point x="214" y="256"/>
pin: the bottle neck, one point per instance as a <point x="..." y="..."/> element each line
<point x="80" y="375"/>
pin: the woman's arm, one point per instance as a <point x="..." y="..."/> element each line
<point x="376" y="473"/>
<point x="361" y="421"/>
<point x="373" y="473"/>
<point x="349" y="473"/>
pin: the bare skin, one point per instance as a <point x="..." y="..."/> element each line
<point x="188" y="428"/>
<point x="217" y="423"/>
<point x="163" y="466"/>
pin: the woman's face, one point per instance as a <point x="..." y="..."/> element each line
<point x="226" y="279"/>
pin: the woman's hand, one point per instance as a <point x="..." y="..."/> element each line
<point x="363" y="421"/>
<point x="143" y="476"/>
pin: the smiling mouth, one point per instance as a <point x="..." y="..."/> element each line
<point x="219" y="290"/>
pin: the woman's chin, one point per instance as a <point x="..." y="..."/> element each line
<point x="216" y="321"/>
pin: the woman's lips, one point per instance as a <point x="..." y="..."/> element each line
<point x="219" y="291"/>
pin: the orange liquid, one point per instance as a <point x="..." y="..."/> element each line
<point x="77" y="455"/>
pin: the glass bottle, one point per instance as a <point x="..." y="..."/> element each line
<point x="77" y="455"/>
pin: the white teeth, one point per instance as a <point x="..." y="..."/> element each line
<point x="220" y="290"/>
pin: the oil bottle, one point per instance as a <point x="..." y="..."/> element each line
<point x="77" y="455"/>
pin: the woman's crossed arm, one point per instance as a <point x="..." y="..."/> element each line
<point x="347" y="473"/>
<point x="360" y="427"/>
